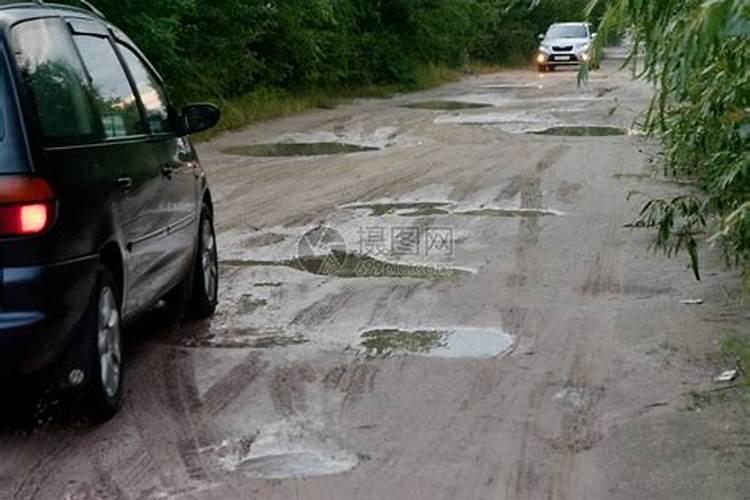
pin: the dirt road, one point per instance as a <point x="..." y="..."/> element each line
<point x="468" y="318"/>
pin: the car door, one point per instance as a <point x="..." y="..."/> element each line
<point x="130" y="163"/>
<point x="176" y="160"/>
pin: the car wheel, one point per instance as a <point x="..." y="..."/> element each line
<point x="542" y="68"/>
<point x="206" y="272"/>
<point x="106" y="382"/>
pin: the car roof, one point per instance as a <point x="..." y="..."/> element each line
<point x="570" y="24"/>
<point x="13" y="11"/>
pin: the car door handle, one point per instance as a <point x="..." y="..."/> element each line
<point x="125" y="183"/>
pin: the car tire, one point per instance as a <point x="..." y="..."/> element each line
<point x="542" y="68"/>
<point x="104" y="325"/>
<point x="205" y="281"/>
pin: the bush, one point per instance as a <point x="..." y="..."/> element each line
<point x="697" y="54"/>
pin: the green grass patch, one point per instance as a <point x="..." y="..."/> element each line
<point x="739" y="349"/>
<point x="747" y="280"/>
<point x="269" y="103"/>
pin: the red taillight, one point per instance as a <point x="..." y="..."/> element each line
<point x="27" y="206"/>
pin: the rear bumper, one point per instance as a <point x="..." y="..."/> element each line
<point x="41" y="311"/>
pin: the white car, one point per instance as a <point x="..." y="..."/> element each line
<point x="566" y="44"/>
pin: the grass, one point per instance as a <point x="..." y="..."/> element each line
<point x="739" y="349"/>
<point x="747" y="280"/>
<point x="269" y="103"/>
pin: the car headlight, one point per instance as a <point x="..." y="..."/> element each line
<point x="584" y="47"/>
<point x="545" y="48"/>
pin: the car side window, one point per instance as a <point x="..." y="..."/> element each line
<point x="56" y="81"/>
<point x="152" y="94"/>
<point x="111" y="91"/>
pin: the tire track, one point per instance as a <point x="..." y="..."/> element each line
<point x="228" y="389"/>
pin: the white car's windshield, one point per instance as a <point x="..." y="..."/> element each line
<point x="561" y="31"/>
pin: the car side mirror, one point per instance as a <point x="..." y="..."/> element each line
<point x="540" y="36"/>
<point x="199" y="117"/>
<point x="593" y="35"/>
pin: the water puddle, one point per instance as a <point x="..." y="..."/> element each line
<point x="347" y="265"/>
<point x="582" y="131"/>
<point x="285" y="451"/>
<point x="239" y="338"/>
<point x="517" y="212"/>
<point x="250" y="304"/>
<point x="438" y="343"/>
<point x="297" y="149"/>
<point x="414" y="208"/>
<point x="446" y="105"/>
<point x="264" y="240"/>
<point x="431" y="209"/>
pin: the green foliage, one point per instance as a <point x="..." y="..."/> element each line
<point x="223" y="49"/>
<point x="697" y="53"/>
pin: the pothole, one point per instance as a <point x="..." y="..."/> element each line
<point x="347" y="265"/>
<point x="431" y="209"/>
<point x="250" y="304"/>
<point x="240" y="338"/>
<point x="438" y="343"/>
<point x="447" y="105"/>
<point x="582" y="131"/>
<point x="297" y="149"/>
<point x="380" y="209"/>
<point x="286" y="451"/>
<point x="264" y="240"/>
<point x="510" y="212"/>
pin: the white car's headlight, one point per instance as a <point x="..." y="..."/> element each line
<point x="545" y="47"/>
<point x="583" y="47"/>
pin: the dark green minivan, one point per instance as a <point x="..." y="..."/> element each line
<point x="104" y="206"/>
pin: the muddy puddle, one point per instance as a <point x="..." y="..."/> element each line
<point x="502" y="212"/>
<point x="297" y="149"/>
<point x="431" y="209"/>
<point x="285" y="450"/>
<point x="582" y="131"/>
<point x="348" y="265"/>
<point x="449" y="343"/>
<point x="204" y="336"/>
<point x="405" y="209"/>
<point x="446" y="105"/>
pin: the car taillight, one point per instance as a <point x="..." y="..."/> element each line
<point x="27" y="206"/>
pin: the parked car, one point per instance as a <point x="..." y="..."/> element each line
<point x="104" y="206"/>
<point x="566" y="44"/>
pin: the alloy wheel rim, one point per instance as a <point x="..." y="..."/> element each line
<point x="209" y="262"/>
<point x="110" y="356"/>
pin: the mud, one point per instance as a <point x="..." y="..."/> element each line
<point x="438" y="343"/>
<point x="582" y="131"/>
<point x="447" y="105"/>
<point x="585" y="401"/>
<point x="285" y="450"/>
<point x="297" y="149"/>
<point x="425" y="209"/>
<point x="348" y="265"/>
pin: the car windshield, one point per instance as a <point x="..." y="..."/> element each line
<point x="567" y="31"/>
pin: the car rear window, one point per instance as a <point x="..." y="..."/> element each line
<point x="57" y="82"/>
<point x="12" y="150"/>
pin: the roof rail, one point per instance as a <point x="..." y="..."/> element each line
<point x="83" y="4"/>
<point x="89" y="6"/>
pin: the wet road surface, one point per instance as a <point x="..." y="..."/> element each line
<point x="434" y="301"/>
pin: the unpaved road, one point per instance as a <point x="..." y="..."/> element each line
<point x="554" y="359"/>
